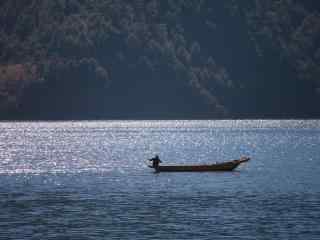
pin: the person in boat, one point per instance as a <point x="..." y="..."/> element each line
<point x="155" y="161"/>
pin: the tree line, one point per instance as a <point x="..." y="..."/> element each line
<point x="77" y="54"/>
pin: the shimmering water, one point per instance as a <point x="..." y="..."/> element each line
<point x="89" y="180"/>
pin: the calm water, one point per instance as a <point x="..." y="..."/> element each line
<point x="89" y="180"/>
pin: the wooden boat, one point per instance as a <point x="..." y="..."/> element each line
<point x="224" y="166"/>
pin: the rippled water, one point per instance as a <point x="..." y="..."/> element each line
<point x="89" y="180"/>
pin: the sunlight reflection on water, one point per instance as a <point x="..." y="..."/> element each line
<point x="91" y="180"/>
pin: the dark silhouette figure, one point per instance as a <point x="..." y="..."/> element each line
<point x="155" y="161"/>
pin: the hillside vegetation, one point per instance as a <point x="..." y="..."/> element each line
<point x="102" y="59"/>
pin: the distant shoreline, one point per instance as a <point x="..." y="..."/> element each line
<point x="154" y="119"/>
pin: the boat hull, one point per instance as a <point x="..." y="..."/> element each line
<point x="225" y="166"/>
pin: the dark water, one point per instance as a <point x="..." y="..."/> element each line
<point x="89" y="180"/>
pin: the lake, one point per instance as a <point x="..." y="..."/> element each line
<point x="90" y="180"/>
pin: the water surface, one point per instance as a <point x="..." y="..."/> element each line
<point x="90" y="180"/>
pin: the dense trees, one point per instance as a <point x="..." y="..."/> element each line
<point x="162" y="59"/>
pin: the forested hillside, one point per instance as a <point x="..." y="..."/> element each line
<point x="161" y="59"/>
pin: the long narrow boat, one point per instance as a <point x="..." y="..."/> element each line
<point x="224" y="166"/>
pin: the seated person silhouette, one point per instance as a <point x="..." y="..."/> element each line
<point x="155" y="161"/>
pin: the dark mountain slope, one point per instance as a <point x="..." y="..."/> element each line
<point x="81" y="59"/>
